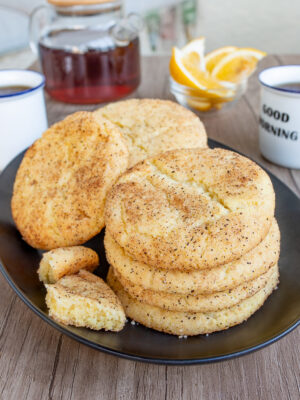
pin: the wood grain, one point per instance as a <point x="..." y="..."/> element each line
<point x="37" y="362"/>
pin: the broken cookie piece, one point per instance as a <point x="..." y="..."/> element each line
<point x="85" y="300"/>
<point x="66" y="261"/>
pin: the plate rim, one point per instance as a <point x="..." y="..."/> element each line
<point x="133" y="357"/>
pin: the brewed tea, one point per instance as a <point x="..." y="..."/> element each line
<point x="7" y="90"/>
<point x="91" y="68"/>
<point x="292" y="86"/>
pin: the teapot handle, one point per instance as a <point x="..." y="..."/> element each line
<point x="38" y="20"/>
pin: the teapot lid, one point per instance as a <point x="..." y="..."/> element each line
<point x="69" y="3"/>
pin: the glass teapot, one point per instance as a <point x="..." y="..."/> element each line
<point x="88" y="51"/>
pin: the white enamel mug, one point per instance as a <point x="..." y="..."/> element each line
<point x="23" y="114"/>
<point x="279" y="122"/>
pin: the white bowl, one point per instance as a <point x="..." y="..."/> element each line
<point x="203" y="103"/>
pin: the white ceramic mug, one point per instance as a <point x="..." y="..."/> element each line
<point x="279" y="122"/>
<point x="22" y="114"/>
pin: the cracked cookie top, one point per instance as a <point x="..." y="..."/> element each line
<point x="152" y="126"/>
<point x="190" y="209"/>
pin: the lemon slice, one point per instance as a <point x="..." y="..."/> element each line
<point x="213" y="58"/>
<point x="195" y="49"/>
<point x="237" y="65"/>
<point x="184" y="68"/>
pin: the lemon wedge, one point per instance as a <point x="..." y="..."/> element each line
<point x="214" y="79"/>
<point x="195" y="50"/>
<point x="185" y="69"/>
<point x="213" y="58"/>
<point x="237" y="65"/>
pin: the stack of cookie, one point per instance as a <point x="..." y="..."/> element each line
<point x="192" y="240"/>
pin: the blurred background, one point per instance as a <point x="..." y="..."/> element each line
<point x="272" y="26"/>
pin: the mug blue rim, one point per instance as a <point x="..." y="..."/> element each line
<point x="276" y="87"/>
<point x="42" y="84"/>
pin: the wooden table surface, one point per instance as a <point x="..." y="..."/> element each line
<point x="37" y="362"/>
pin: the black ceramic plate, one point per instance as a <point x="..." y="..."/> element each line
<point x="279" y="315"/>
